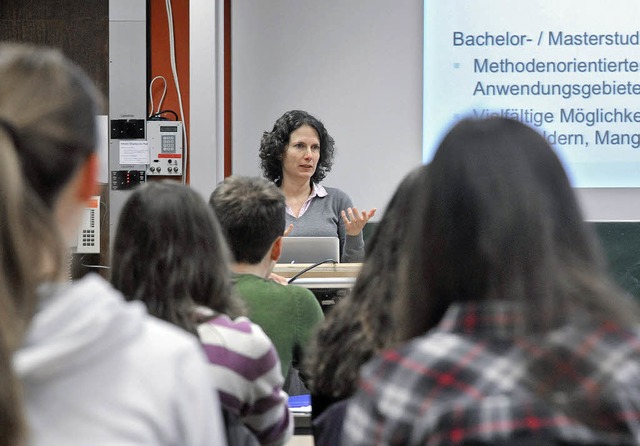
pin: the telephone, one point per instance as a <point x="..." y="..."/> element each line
<point x="89" y="232"/>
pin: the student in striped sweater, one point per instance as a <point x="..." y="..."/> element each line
<point x="169" y="252"/>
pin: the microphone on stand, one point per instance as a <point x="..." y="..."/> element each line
<point x="309" y="268"/>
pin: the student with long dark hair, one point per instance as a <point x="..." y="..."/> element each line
<point x="170" y="253"/>
<point x="361" y="324"/>
<point x="93" y="368"/>
<point x="519" y="334"/>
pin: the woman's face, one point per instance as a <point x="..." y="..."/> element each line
<point x="302" y="153"/>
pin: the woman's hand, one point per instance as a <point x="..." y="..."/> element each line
<point x="354" y="221"/>
<point x="288" y="230"/>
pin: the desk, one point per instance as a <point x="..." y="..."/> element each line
<point x="327" y="270"/>
<point x="301" y="440"/>
<point x="328" y="282"/>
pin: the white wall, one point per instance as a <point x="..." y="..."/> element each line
<point x="206" y="59"/>
<point x="356" y="65"/>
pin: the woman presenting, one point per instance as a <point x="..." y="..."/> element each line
<point x="297" y="154"/>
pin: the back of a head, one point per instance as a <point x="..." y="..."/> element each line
<point x="377" y="281"/>
<point x="47" y="130"/>
<point x="251" y="212"/>
<point x="51" y="106"/>
<point x="169" y="252"/>
<point x="361" y="324"/>
<point x="499" y="220"/>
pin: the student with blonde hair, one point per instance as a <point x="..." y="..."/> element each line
<point x="93" y="368"/>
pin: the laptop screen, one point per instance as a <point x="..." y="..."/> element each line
<point x="309" y="249"/>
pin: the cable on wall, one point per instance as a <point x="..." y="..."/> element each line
<point x="174" y="71"/>
<point x="164" y="92"/>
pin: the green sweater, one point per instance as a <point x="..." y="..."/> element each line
<point x="288" y="314"/>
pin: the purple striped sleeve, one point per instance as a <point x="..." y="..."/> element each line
<point x="248" y="368"/>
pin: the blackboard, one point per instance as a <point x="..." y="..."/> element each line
<point x="621" y="245"/>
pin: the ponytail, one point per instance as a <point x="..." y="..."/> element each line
<point x="30" y="245"/>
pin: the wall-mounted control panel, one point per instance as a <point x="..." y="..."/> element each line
<point x="165" y="148"/>
<point x="127" y="129"/>
<point x="127" y="179"/>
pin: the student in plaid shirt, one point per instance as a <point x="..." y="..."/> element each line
<point x="519" y="335"/>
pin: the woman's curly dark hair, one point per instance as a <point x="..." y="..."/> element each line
<point x="274" y="143"/>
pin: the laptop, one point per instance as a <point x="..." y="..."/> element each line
<point x="309" y="249"/>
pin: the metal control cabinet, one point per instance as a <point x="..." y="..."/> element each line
<point x="165" y="148"/>
<point x="127" y="99"/>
